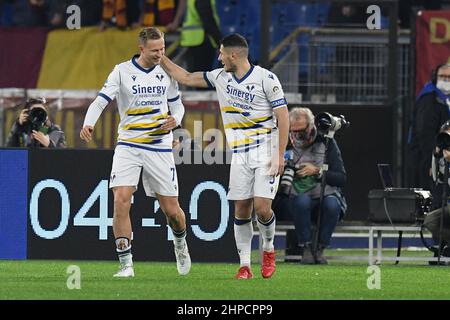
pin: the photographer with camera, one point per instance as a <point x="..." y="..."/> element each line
<point x="300" y="187"/>
<point x="33" y="128"/>
<point x="440" y="164"/>
<point x="431" y="111"/>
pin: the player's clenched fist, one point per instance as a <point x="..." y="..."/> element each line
<point x="86" y="133"/>
<point x="169" y="124"/>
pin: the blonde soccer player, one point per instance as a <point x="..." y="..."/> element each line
<point x="150" y="107"/>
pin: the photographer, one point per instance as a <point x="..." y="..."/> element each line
<point x="440" y="159"/>
<point x="33" y="128"/>
<point x="430" y="112"/>
<point x="299" y="191"/>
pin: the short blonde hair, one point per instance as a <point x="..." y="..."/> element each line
<point x="150" y="33"/>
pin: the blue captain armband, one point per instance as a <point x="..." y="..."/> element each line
<point x="279" y="102"/>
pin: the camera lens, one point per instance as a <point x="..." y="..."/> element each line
<point x="37" y="115"/>
<point x="324" y="121"/>
<point x="286" y="181"/>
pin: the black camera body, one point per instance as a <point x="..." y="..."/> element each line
<point x="287" y="178"/>
<point x="36" y="119"/>
<point x="443" y="142"/>
<point x="327" y="124"/>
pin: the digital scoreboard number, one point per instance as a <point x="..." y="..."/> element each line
<point x="70" y="210"/>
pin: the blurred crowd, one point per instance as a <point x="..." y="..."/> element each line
<point x="169" y="13"/>
<point x="102" y="13"/>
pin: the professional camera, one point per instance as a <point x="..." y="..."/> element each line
<point x="327" y="124"/>
<point x="36" y="118"/>
<point x="287" y="178"/>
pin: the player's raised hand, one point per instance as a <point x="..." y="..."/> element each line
<point x="169" y="124"/>
<point x="86" y="133"/>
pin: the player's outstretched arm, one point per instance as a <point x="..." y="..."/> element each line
<point x="105" y="96"/>
<point x="94" y="111"/>
<point x="192" y="79"/>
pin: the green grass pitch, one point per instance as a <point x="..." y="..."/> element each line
<point x="47" y="279"/>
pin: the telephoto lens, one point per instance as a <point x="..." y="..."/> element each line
<point x="37" y="115"/>
<point x="286" y="180"/>
<point x="36" y="118"/>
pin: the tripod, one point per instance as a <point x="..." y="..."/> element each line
<point x="443" y="207"/>
<point x="315" y="243"/>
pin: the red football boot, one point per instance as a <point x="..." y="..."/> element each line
<point x="244" y="273"/>
<point x="268" y="264"/>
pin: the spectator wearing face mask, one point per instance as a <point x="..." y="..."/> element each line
<point x="431" y="111"/>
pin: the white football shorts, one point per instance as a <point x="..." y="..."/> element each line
<point x="249" y="174"/>
<point x="159" y="173"/>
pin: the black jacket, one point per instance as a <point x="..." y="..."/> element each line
<point x="335" y="175"/>
<point x="430" y="114"/>
<point x="19" y="137"/>
<point x="205" y="12"/>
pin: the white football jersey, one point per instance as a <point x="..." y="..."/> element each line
<point x="142" y="99"/>
<point x="247" y="105"/>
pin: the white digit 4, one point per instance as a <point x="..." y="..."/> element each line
<point x="102" y="221"/>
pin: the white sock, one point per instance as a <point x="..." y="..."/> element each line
<point x="126" y="260"/>
<point x="243" y="234"/>
<point x="179" y="238"/>
<point x="123" y="249"/>
<point x="267" y="231"/>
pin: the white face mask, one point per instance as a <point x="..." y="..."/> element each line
<point x="444" y="86"/>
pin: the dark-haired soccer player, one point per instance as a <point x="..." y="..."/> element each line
<point x="255" y="118"/>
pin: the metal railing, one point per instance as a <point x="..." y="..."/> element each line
<point x="340" y="65"/>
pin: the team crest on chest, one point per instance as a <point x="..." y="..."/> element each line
<point x="160" y="76"/>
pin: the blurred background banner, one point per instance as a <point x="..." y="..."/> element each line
<point x="21" y="58"/>
<point x="432" y="43"/>
<point x="83" y="59"/>
<point x="63" y="59"/>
